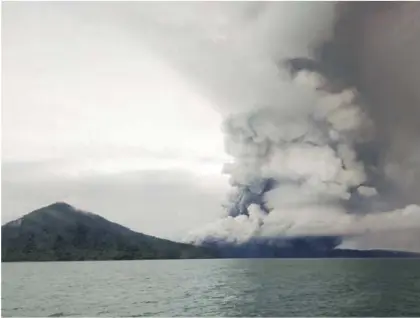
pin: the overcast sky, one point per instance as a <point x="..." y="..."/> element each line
<point x="95" y="117"/>
<point x="116" y="107"/>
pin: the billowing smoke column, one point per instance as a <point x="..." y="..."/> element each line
<point x="295" y="168"/>
<point x="375" y="48"/>
<point x="313" y="168"/>
<point x="309" y="154"/>
<point x="321" y="122"/>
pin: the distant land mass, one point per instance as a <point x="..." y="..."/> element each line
<point x="60" y="232"/>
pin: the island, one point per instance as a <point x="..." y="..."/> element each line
<point x="61" y="232"/>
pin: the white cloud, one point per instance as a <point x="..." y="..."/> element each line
<point x="110" y="106"/>
<point x="83" y="101"/>
<point x="71" y="85"/>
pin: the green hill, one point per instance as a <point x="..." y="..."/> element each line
<point x="59" y="232"/>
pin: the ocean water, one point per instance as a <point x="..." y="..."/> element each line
<point x="241" y="287"/>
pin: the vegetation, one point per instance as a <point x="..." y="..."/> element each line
<point x="61" y="233"/>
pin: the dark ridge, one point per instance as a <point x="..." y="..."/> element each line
<point x="61" y="206"/>
<point x="281" y="247"/>
<point x="298" y="247"/>
<point x="60" y="232"/>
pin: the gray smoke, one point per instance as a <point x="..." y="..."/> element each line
<point x="375" y="48"/>
<point x="322" y="135"/>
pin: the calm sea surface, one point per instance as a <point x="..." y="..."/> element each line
<point x="258" y="287"/>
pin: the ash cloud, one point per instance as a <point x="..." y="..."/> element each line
<point x="375" y="48"/>
<point x="321" y="125"/>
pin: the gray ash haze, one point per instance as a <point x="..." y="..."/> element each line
<point x="319" y="103"/>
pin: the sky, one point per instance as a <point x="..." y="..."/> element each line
<point x="116" y="107"/>
<point x="92" y="116"/>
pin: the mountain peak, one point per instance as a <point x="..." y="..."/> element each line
<point x="62" y="232"/>
<point x="59" y="211"/>
<point x="60" y="206"/>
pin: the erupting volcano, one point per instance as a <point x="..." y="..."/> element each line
<point x="316" y="159"/>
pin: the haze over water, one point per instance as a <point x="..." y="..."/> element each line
<point x="243" y="287"/>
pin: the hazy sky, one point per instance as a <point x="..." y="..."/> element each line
<point x="94" y="117"/>
<point x="116" y="107"/>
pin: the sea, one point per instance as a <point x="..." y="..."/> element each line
<point x="227" y="288"/>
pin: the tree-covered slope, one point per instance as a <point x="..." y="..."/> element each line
<point x="61" y="232"/>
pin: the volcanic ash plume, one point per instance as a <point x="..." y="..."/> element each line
<point x="300" y="165"/>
